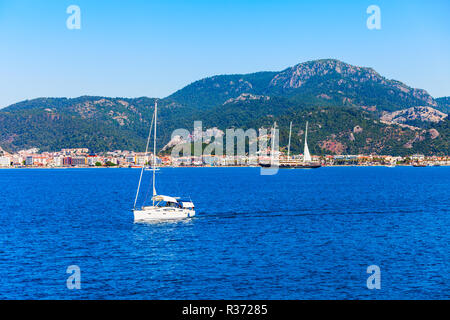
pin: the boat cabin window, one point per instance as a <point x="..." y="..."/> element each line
<point x="187" y="204"/>
<point x="168" y="204"/>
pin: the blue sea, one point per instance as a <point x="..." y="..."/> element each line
<point x="300" y="234"/>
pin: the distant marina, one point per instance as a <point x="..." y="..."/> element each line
<point x="286" y="162"/>
<point x="83" y="158"/>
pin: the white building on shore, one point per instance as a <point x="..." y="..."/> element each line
<point x="5" y="162"/>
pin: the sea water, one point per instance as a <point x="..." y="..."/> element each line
<point x="299" y="234"/>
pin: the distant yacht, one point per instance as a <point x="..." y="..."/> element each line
<point x="419" y="165"/>
<point x="288" y="163"/>
<point x="151" y="169"/>
<point x="162" y="207"/>
<point x="307" y="160"/>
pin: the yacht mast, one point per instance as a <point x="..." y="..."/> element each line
<point x="154" y="150"/>
<point x="289" y="144"/>
<point x="146" y="152"/>
<point x="272" y="148"/>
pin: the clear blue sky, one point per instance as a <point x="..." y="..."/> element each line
<point x="152" y="48"/>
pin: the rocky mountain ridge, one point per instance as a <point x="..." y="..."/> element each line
<point x="332" y="94"/>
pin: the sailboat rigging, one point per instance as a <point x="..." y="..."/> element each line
<point x="287" y="162"/>
<point x="289" y="144"/>
<point x="163" y="207"/>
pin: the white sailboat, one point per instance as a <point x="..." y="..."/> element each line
<point x="287" y="162"/>
<point x="306" y="154"/>
<point x="307" y="159"/>
<point x="163" y="207"/>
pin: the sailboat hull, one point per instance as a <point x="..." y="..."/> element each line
<point x="307" y="166"/>
<point x="293" y="166"/>
<point x="161" y="213"/>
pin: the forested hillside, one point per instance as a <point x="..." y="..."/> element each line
<point x="350" y="110"/>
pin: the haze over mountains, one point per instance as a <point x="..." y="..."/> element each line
<point x="350" y="109"/>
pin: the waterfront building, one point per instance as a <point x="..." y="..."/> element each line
<point x="75" y="151"/>
<point x="67" y="161"/>
<point x="142" y="159"/>
<point x="166" y="160"/>
<point x="29" y="161"/>
<point x="112" y="160"/>
<point x="417" y="157"/>
<point x="37" y="160"/>
<point x="79" y="161"/>
<point x="92" y="160"/>
<point x="5" y="161"/>
<point x="130" y="159"/>
<point x="57" y="161"/>
<point x="17" y="160"/>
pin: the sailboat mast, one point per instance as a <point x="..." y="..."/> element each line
<point x="272" y="148"/>
<point x="306" y="134"/>
<point x="289" y="144"/>
<point x="146" y="152"/>
<point x="154" y="150"/>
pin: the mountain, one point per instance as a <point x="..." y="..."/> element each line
<point x="344" y="104"/>
<point x="213" y="91"/>
<point x="443" y="104"/>
<point x="98" y="123"/>
<point x="417" y="116"/>
<point x="320" y="82"/>
<point x="3" y="152"/>
<point x="332" y="130"/>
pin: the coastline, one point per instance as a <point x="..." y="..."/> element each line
<point x="176" y="167"/>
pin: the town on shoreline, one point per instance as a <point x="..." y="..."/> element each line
<point x="82" y="158"/>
